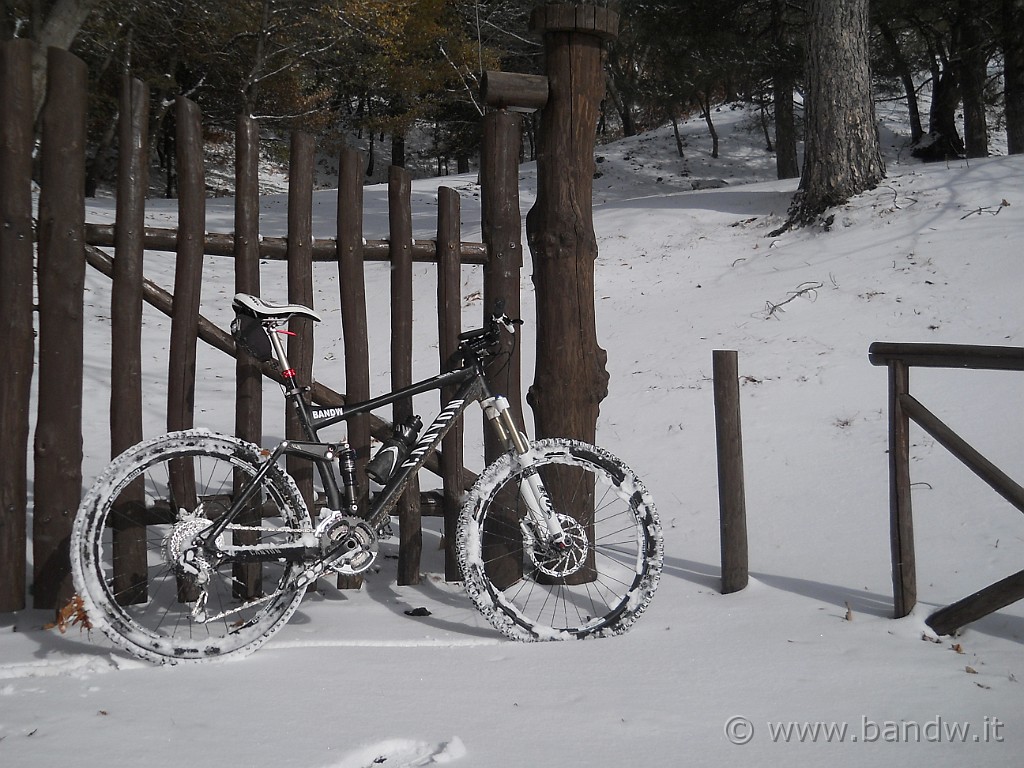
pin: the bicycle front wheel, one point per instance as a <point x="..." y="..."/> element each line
<point x="145" y="509"/>
<point x="599" y="583"/>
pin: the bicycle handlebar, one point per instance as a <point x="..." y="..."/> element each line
<point x="484" y="339"/>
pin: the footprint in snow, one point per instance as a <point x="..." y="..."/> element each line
<point x="403" y="753"/>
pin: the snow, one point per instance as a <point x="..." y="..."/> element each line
<point x="685" y="267"/>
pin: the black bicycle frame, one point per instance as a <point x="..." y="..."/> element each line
<point x="472" y="388"/>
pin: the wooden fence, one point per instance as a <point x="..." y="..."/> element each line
<point x="66" y="243"/>
<point x="903" y="408"/>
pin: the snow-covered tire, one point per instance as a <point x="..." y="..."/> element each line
<point x="522" y="595"/>
<point x="135" y="514"/>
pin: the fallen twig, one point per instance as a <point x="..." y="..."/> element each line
<point x="804" y="289"/>
<point x="987" y="209"/>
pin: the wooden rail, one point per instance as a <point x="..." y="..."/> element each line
<point x="903" y="408"/>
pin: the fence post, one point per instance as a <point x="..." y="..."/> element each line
<point x="126" y="289"/>
<point x="16" y="321"/>
<point x="400" y="227"/>
<point x="731" y="496"/>
<point x="129" y="540"/>
<point x="501" y="226"/>
<point x="901" y="521"/>
<point x="449" y="316"/>
<point x="188" y="267"/>
<point x="58" y="440"/>
<point x="248" y="376"/>
<point x="352" y="287"/>
<point x="300" y="291"/>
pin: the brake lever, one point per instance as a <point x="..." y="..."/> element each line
<point x="507" y="322"/>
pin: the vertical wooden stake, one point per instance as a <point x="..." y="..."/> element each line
<point x="352" y="287"/>
<point x="410" y="545"/>
<point x="129" y="539"/>
<point x="16" y="275"/>
<point x="901" y="521"/>
<point x="449" y="315"/>
<point x="731" y="496"/>
<point x="300" y="291"/>
<point x="58" y="438"/>
<point x="248" y="375"/>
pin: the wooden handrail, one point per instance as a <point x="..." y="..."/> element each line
<point x="904" y="408"/>
<point x="927" y="355"/>
<point x="276" y="248"/>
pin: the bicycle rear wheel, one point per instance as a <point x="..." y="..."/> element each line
<point x="598" y="585"/>
<point x="145" y="509"/>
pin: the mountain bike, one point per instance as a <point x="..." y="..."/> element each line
<point x="195" y="546"/>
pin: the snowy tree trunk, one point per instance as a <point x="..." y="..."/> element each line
<point x="841" y="156"/>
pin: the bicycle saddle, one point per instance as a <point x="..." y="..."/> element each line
<point x="254" y="306"/>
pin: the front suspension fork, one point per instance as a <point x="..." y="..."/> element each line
<point x="532" y="490"/>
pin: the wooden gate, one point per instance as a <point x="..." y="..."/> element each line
<point x="67" y="243"/>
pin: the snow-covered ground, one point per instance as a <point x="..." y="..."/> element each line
<point x="804" y="667"/>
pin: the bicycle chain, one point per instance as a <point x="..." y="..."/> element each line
<point x="200" y="604"/>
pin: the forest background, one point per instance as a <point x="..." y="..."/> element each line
<point x="399" y="79"/>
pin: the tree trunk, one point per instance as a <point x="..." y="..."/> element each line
<point x="678" y="136"/>
<point x="58" y="31"/>
<point x="705" y="104"/>
<point x="787" y="164"/>
<point x="1013" y="73"/>
<point x="841" y="156"/>
<point x="973" y="65"/>
<point x="906" y="76"/>
<point x="398" y="149"/>
<point x="942" y="116"/>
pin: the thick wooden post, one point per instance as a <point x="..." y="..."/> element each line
<point x="570" y="380"/>
<point x="400" y="227"/>
<point x="731" y="496"/>
<point x="58" y="441"/>
<point x="16" y="321"/>
<point x="901" y="521"/>
<point x="129" y="542"/>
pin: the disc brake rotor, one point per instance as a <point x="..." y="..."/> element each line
<point x="559" y="561"/>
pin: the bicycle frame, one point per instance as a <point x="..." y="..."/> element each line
<point x="472" y="387"/>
